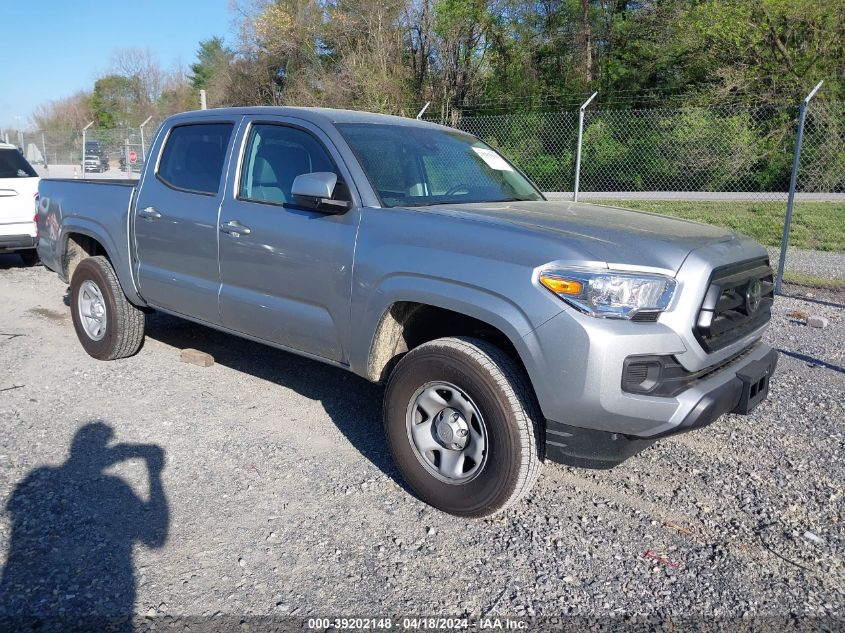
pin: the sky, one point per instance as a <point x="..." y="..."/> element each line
<point x="54" y="48"/>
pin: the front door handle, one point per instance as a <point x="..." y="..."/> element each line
<point x="149" y="213"/>
<point x="235" y="228"/>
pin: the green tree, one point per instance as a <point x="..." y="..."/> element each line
<point x="115" y="101"/>
<point x="213" y="59"/>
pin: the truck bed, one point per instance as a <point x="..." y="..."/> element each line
<point x="99" y="209"/>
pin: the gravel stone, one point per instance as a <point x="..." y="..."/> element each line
<point x="818" y="321"/>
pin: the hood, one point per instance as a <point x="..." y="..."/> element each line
<point x="606" y="234"/>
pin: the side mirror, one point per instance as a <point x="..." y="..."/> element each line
<point x="315" y="191"/>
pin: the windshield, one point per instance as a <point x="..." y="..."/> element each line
<point x="13" y="165"/>
<point x="414" y="166"/>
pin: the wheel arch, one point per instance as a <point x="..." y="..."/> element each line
<point x="76" y="246"/>
<point x="406" y="323"/>
<point x="80" y="239"/>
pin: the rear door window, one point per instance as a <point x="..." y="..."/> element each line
<point x="194" y="155"/>
<point x="14" y="165"/>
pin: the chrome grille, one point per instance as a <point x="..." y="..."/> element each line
<point x="738" y="301"/>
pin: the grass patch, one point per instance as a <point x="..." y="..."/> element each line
<point x="803" y="279"/>
<point x="815" y="225"/>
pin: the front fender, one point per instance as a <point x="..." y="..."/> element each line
<point x="498" y="311"/>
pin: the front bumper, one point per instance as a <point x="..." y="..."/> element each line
<point x="737" y="388"/>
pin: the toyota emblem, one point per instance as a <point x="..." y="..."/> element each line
<point x="753" y="296"/>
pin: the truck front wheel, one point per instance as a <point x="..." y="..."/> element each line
<point x="463" y="426"/>
<point x="107" y="325"/>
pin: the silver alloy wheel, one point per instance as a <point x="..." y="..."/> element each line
<point x="447" y="432"/>
<point x="92" y="310"/>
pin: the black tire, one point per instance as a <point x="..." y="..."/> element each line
<point x="503" y="395"/>
<point x="124" y="323"/>
<point x="29" y="256"/>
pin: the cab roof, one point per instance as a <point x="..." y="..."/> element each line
<point x="313" y="115"/>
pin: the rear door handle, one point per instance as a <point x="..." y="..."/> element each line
<point x="149" y="213"/>
<point x="235" y="228"/>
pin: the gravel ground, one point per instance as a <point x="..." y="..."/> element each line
<point x="825" y="264"/>
<point x="278" y="497"/>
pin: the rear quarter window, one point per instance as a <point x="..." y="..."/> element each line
<point x="194" y="155"/>
<point x="14" y="165"/>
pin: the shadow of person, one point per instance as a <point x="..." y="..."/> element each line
<point x="69" y="565"/>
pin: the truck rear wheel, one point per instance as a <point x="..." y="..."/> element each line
<point x="107" y="325"/>
<point x="463" y="426"/>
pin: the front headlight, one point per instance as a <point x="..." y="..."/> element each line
<point x="611" y="294"/>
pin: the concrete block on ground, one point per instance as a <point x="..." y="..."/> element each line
<point x="196" y="357"/>
<point x="817" y="321"/>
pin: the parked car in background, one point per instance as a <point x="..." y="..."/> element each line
<point x="18" y="198"/>
<point x="509" y="329"/>
<point x="94" y="163"/>
<point x="94" y="148"/>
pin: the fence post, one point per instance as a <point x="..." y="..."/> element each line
<point x="793" y="180"/>
<point x="44" y="148"/>
<point x="84" y="130"/>
<point x="20" y="134"/>
<point x="144" y="149"/>
<point x="578" y="151"/>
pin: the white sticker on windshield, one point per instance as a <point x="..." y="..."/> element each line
<point x="493" y="160"/>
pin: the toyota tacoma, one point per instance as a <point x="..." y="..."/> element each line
<point x="509" y="330"/>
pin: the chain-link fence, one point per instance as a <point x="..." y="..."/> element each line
<point x="722" y="165"/>
<point x="54" y="147"/>
<point x="540" y="144"/>
<point x="108" y="153"/>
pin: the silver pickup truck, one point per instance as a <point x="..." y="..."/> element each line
<point x="509" y="330"/>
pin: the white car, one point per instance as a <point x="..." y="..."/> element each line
<point x="18" y="194"/>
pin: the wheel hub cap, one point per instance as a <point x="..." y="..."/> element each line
<point x="452" y="429"/>
<point x="447" y="432"/>
<point x="92" y="310"/>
